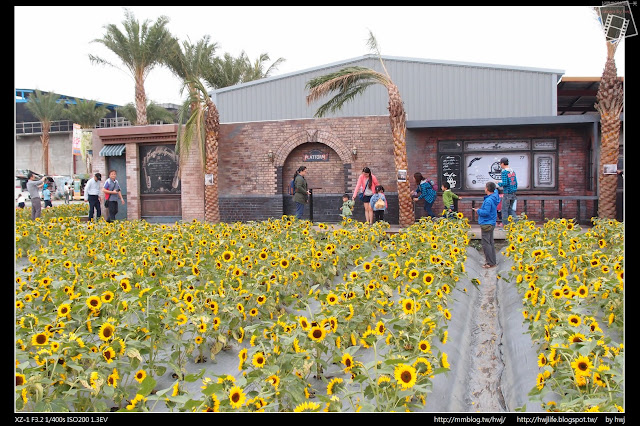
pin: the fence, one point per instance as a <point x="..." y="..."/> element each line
<point x="542" y="207"/>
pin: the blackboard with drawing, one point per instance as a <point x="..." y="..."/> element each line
<point x="450" y="170"/>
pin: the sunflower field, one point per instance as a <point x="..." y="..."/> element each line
<point x="573" y="303"/>
<point x="321" y="318"/>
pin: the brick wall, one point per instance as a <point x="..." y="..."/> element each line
<point x="252" y="186"/>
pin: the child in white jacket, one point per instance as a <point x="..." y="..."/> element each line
<point x="378" y="204"/>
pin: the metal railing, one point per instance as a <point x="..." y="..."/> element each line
<point x="59" y="126"/>
<point x="581" y="201"/>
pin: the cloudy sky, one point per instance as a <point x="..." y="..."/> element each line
<point x="53" y="43"/>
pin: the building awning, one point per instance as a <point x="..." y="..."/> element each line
<point x="112" y="150"/>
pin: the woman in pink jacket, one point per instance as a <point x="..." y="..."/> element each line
<point x="366" y="183"/>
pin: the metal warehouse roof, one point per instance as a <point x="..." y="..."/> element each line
<point x="430" y="89"/>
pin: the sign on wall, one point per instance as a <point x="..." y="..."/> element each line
<point x="315" y="155"/>
<point x="450" y="170"/>
<point x="159" y="169"/>
<point x="76" y="139"/>
<point x="482" y="168"/>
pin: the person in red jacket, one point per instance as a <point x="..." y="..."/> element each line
<point x="365" y="186"/>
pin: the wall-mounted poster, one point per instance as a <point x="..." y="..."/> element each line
<point x="159" y="170"/>
<point x="482" y="168"/>
<point x="402" y="175"/>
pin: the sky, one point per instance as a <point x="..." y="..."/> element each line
<point x="566" y="38"/>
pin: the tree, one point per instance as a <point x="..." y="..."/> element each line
<point x="200" y="115"/>
<point x="352" y="81"/>
<point x="228" y="71"/>
<point x="203" y="127"/>
<point x="46" y="109"/>
<point x="154" y="113"/>
<point x="609" y="104"/>
<point x="140" y="48"/>
<point x="87" y="114"/>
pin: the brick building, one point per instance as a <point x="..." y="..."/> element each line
<point x="461" y="119"/>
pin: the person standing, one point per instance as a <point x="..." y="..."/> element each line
<point x="301" y="194"/>
<point x="92" y="196"/>
<point x="509" y="185"/>
<point x="366" y="182"/>
<point x="347" y="206"/>
<point x="378" y="204"/>
<point x="112" y="191"/>
<point x="487" y="215"/>
<point x="67" y="191"/>
<point x="447" y="199"/>
<point x="426" y="191"/>
<point x="46" y="196"/>
<point x="33" y="186"/>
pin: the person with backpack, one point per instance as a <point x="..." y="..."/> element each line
<point x="112" y="191"/>
<point x="509" y="186"/>
<point x="364" y="190"/>
<point x="301" y="192"/>
<point x="425" y="191"/>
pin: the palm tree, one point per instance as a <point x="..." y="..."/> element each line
<point x="154" y="113"/>
<point x="609" y="104"/>
<point x="351" y="81"/>
<point x="140" y="48"/>
<point x="200" y="115"/>
<point x="46" y="109"/>
<point x="203" y="127"/>
<point x="227" y="71"/>
<point x="87" y="114"/>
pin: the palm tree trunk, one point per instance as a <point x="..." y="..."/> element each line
<point x="610" y="97"/>
<point x="46" y="128"/>
<point x="212" y="129"/>
<point x="398" y="119"/>
<point x="141" y="103"/>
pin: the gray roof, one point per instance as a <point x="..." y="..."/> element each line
<point x="430" y="89"/>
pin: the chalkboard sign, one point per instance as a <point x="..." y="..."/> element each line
<point x="451" y="170"/>
<point x="159" y="170"/>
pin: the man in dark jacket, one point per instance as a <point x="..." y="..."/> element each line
<point x="487" y="216"/>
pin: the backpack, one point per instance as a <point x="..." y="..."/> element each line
<point x="292" y="186"/>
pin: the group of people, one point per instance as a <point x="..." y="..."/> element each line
<point x="371" y="193"/>
<point x="112" y="192"/>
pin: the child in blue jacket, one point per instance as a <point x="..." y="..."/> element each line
<point x="378" y="204"/>
<point x="487" y="216"/>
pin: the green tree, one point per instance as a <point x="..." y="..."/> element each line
<point x="86" y="113"/>
<point x="352" y="81"/>
<point x="141" y="48"/>
<point x="227" y="70"/>
<point x="46" y="109"/>
<point x="154" y="113"/>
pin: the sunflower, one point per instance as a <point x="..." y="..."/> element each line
<point x="236" y="397"/>
<point x="140" y="376"/>
<point x="94" y="302"/>
<point x="347" y="361"/>
<point x="574" y="320"/>
<point x="64" y="310"/>
<point x="444" y="360"/>
<point x="408" y="306"/>
<point x="108" y="354"/>
<point x="333" y="383"/>
<point x="227" y="256"/>
<point x="307" y="406"/>
<point x="20" y="379"/>
<point x="258" y="360"/>
<point x="317" y="333"/>
<point x="40" y="339"/>
<point x="304" y="323"/>
<point x="423" y="366"/>
<point x="405" y="375"/>
<point x="106" y="331"/>
<point x="380" y="328"/>
<point x="125" y="285"/>
<point x="582" y="366"/>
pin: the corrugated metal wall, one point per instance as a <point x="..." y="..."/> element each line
<point x="431" y="90"/>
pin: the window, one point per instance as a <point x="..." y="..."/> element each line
<point x="469" y="165"/>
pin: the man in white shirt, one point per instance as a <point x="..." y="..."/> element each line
<point x="92" y="194"/>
